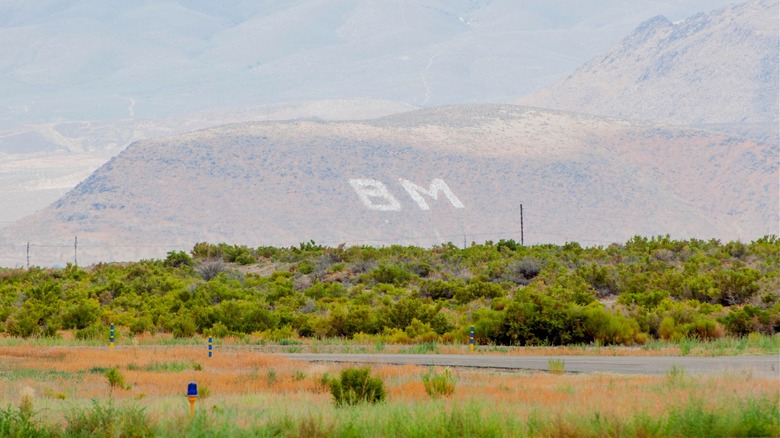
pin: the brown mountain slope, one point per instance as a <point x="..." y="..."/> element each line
<point x="579" y="178"/>
<point x="714" y="68"/>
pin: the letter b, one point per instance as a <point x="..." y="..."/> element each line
<point x="374" y="194"/>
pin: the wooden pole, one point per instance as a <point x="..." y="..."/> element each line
<point x="522" y="239"/>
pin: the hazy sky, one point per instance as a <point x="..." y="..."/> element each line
<point x="98" y="60"/>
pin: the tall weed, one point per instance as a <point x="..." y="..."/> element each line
<point x="17" y="423"/>
<point x="439" y="385"/>
<point x="109" y="421"/>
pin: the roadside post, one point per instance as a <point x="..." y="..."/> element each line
<point x="471" y="339"/>
<point x="111" y="338"/>
<point x="192" y="396"/>
<point x="210" y="345"/>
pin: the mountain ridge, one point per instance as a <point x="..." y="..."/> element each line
<point x="579" y="177"/>
<point x="713" y="68"/>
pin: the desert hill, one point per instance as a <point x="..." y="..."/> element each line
<point x="82" y="79"/>
<point x="39" y="163"/>
<point x="453" y="173"/>
<point x="719" y="67"/>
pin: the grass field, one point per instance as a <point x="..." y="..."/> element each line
<point x="64" y="391"/>
<point x="755" y="343"/>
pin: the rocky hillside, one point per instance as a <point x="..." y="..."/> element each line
<point x="456" y="173"/>
<point x="713" y="68"/>
<point x="82" y="80"/>
<point x="40" y="163"/>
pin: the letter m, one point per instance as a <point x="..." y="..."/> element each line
<point x="437" y="186"/>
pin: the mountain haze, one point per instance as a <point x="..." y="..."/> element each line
<point x="454" y="173"/>
<point x="82" y="79"/>
<point x="719" y="67"/>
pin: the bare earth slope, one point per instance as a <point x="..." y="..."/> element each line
<point x="580" y="178"/>
<point x="65" y="153"/>
<point x="714" y="68"/>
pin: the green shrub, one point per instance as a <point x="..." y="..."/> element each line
<point x="439" y="385"/>
<point x="749" y="319"/>
<point x="305" y="267"/>
<point x="270" y="377"/>
<point x="94" y="332"/>
<point x="109" y="421"/>
<point x="142" y="324"/>
<point x="184" y="327"/>
<point x="557" y="366"/>
<point x="391" y="275"/>
<point x="115" y="379"/>
<point x="218" y="330"/>
<point x="83" y="314"/>
<point x="440" y="290"/>
<point x="356" y="386"/>
<point x="417" y="329"/>
<point x="176" y="259"/>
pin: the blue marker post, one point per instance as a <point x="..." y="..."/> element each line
<point x="210" y="346"/>
<point x="192" y="396"/>
<point x="111" y="338"/>
<point x="471" y="339"/>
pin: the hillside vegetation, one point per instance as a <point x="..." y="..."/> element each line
<point x="645" y="289"/>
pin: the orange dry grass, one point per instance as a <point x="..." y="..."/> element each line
<point x="77" y="373"/>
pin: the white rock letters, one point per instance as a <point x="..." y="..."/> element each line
<point x="376" y="196"/>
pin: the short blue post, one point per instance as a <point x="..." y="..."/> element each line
<point x="471" y="339"/>
<point x="210" y="346"/>
<point x="192" y="396"/>
<point x="111" y="338"/>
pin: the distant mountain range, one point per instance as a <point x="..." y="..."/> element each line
<point x="713" y="68"/>
<point x="82" y="79"/>
<point x="675" y="130"/>
<point x="455" y="173"/>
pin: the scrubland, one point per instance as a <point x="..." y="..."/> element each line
<point x="64" y="391"/>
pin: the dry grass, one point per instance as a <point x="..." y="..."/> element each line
<point x="233" y="377"/>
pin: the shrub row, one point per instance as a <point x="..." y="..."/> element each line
<point x="512" y="294"/>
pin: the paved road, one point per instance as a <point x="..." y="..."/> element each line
<point x="759" y="366"/>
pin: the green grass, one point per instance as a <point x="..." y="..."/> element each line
<point x="754" y="343"/>
<point x="258" y="416"/>
<point x="426" y="348"/>
<point x="35" y="374"/>
<point x="676" y="376"/>
<point x="556" y="366"/>
<point x="170" y="367"/>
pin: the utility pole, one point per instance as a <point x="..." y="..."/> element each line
<point x="76" y="251"/>
<point x="522" y="240"/>
<point x="28" y="255"/>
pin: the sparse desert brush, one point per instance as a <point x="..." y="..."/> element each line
<point x="115" y="380"/>
<point x="356" y="385"/>
<point x="235" y="398"/>
<point x="439" y="384"/>
<point x="26" y="402"/>
<point x="556" y="366"/>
